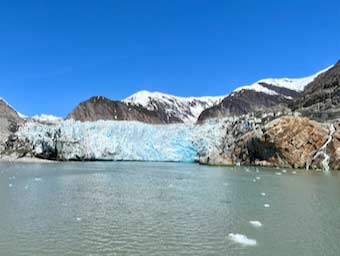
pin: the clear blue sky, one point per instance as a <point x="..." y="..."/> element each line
<point x="55" y="54"/>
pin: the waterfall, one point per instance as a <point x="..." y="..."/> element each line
<point x="323" y="151"/>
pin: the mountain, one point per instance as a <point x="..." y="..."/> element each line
<point x="321" y="98"/>
<point x="267" y="95"/>
<point x="9" y="118"/>
<point x="143" y="106"/>
<point x="8" y="112"/>
<point x="101" y="108"/>
<point x="186" y="109"/>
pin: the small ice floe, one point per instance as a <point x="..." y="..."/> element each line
<point x="284" y="171"/>
<point x="247" y="170"/>
<point x="254" y="180"/>
<point x="12" y="178"/>
<point x="171" y="185"/>
<point x="10" y="185"/>
<point x="255" y="223"/>
<point x="257" y="170"/>
<point x="79" y="219"/>
<point x="37" y="179"/>
<point x="225" y="184"/>
<point x="279" y="173"/>
<point x="263" y="194"/>
<point x="266" y="205"/>
<point x="242" y="239"/>
<point x="26" y="187"/>
<point x="258" y="178"/>
<point x="293" y="172"/>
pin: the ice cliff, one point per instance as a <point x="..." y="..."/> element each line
<point x="123" y="140"/>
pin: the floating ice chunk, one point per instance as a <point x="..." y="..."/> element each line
<point x="247" y="170"/>
<point x="79" y="219"/>
<point x="266" y="205"/>
<point x="258" y="178"/>
<point x="12" y="178"/>
<point x="225" y="184"/>
<point x="263" y="194"/>
<point x="279" y="173"/>
<point x="284" y="171"/>
<point x="171" y="185"/>
<point x="257" y="170"/>
<point x="254" y="180"/>
<point x="255" y="223"/>
<point x="242" y="239"/>
<point x="293" y="172"/>
<point x="26" y="187"/>
<point x="37" y="179"/>
<point x="10" y="185"/>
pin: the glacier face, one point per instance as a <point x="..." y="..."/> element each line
<point x="124" y="140"/>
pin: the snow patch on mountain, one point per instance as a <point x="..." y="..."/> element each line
<point x="185" y="108"/>
<point x="294" y="84"/>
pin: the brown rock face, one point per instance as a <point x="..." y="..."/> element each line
<point x="335" y="148"/>
<point x="101" y="108"/>
<point x="287" y="141"/>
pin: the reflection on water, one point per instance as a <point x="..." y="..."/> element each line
<point x="110" y="208"/>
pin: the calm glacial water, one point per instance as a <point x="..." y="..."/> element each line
<point x="134" y="208"/>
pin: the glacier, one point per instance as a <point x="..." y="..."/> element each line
<point x="125" y="140"/>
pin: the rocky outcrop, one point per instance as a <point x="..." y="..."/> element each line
<point x="287" y="142"/>
<point x="101" y="108"/>
<point x="321" y="98"/>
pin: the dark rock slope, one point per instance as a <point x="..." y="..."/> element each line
<point x="321" y="98"/>
<point x="101" y="108"/>
<point x="245" y="102"/>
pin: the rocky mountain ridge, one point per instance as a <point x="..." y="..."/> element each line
<point x="267" y="95"/>
<point x="321" y="98"/>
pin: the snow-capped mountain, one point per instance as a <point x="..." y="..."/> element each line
<point x="266" y="95"/>
<point x="186" y="109"/>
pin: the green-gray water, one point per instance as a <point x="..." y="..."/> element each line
<point x="112" y="208"/>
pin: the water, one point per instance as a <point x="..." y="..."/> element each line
<point x="134" y="208"/>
